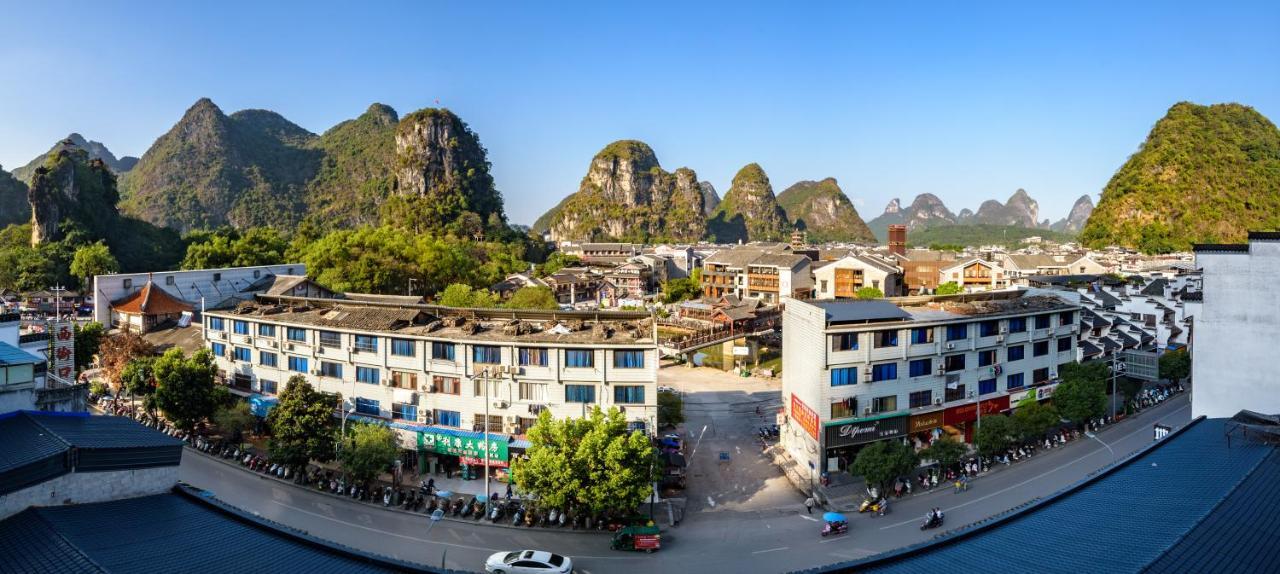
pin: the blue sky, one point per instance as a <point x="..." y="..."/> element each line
<point x="968" y="103"/>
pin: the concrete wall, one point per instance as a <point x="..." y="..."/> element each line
<point x="804" y="353"/>
<point x="189" y="286"/>
<point x="88" y="487"/>
<point x="1234" y="354"/>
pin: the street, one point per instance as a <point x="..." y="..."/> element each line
<point x="741" y="512"/>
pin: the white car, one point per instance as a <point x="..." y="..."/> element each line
<point x="528" y="562"/>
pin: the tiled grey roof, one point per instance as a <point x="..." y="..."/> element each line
<point x="86" y="432"/>
<point x="23" y="441"/>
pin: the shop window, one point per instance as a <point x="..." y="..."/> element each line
<point x="921" y="399"/>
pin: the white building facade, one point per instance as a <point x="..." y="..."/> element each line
<point x="214" y="286"/>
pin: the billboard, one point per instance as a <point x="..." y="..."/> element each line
<point x="63" y="360"/>
<point x="804" y="416"/>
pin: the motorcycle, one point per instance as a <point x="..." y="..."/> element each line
<point x="870" y="505"/>
<point x="931" y="521"/>
<point x="833" y="528"/>
<point x="386" y="496"/>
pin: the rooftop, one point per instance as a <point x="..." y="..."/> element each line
<point x="11" y="355"/>
<point x="151" y="300"/>
<point x="940" y="307"/>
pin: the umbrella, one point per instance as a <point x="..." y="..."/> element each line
<point x="443" y="493"/>
<point x="482" y="497"/>
<point x="833" y="517"/>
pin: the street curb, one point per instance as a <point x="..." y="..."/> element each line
<point x="397" y="509"/>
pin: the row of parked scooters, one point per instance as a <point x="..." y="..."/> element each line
<point x="1154" y="396"/>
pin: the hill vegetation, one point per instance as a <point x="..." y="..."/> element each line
<point x="824" y="212"/>
<point x="980" y="234"/>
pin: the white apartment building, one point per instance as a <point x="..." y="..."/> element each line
<point x="1231" y="357"/>
<point x="423" y="369"/>
<point x="841" y="279"/>
<point x="914" y="367"/>
<point x="216" y="287"/>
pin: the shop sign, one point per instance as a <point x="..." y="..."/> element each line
<point x="804" y="416"/>
<point x="1045" y="392"/>
<point x="445" y="443"/>
<point x="995" y="406"/>
<point x="407" y="439"/>
<point x="64" y="353"/>
<point x="924" y="422"/>
<point x="858" y="432"/>
<point x="472" y="461"/>
<point x="961" y="414"/>
<point x="1015" y="398"/>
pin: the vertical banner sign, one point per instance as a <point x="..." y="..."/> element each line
<point x="64" y="353"/>
<point x="804" y="416"/>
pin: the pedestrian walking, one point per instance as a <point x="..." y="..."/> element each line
<point x="508" y="491"/>
<point x="808" y="504"/>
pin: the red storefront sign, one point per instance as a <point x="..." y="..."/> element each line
<point x="804" y="416"/>
<point x="473" y="461"/>
<point x="969" y="412"/>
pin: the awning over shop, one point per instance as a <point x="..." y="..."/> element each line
<point x="260" y="405"/>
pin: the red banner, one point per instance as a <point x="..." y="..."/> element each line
<point x="805" y="416"/>
<point x="969" y="412"/>
<point x="472" y="461"/>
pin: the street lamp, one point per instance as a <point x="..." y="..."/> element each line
<point x="484" y="378"/>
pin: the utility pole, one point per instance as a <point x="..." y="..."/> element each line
<point x="484" y="378"/>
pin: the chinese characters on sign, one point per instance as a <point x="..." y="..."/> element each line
<point x="804" y="416"/>
<point x="445" y="443"/>
<point x="63" y="359"/>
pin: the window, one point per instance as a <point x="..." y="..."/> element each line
<point x="1013" y="381"/>
<point x="215" y="323"/>
<point x="986" y="386"/>
<point x="1040" y="349"/>
<point x="921" y="336"/>
<point x="267" y="359"/>
<point x="1040" y="375"/>
<point x="884" y="404"/>
<point x="534" y="392"/>
<point x="442" y="351"/>
<point x="844" y="376"/>
<point x="330" y="339"/>
<point x="579" y="358"/>
<point x="486" y="354"/>
<point x="298" y="364"/>
<point x="1064" y="344"/>
<point x="579" y="394"/>
<point x="328" y="369"/>
<point x="1018" y="325"/>
<point x="495" y="423"/>
<point x="955" y="392"/>
<point x="533" y="357"/>
<point x="366" y="343"/>
<point x="986" y="358"/>
<point x="219" y="349"/>
<point x="265" y="330"/>
<point x="628" y="359"/>
<point x="448" y="385"/>
<point x="957" y="332"/>
<point x="404" y="411"/>
<point x="523" y="424"/>
<point x="296" y="334"/>
<point x="920" y="367"/>
<point x="1015" y="352"/>
<point x="628" y="394"/>
<point x="368" y="375"/>
<point x="953" y="362"/>
<point x="884" y="372"/>
<point x="988" y="328"/>
<point x="268" y="387"/>
<point x="1066" y="318"/>
<point x="1042" y="321"/>
<point x="243" y="354"/>
<point x="368" y="407"/>
<point x="886" y="339"/>
<point x="403" y="380"/>
<point x="845" y="408"/>
<point x="402" y="347"/>
<point x="448" y="418"/>
<point x="844" y="342"/>
<point x="920" y="399"/>
<point x="240" y="327"/>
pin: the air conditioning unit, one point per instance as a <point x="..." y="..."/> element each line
<point x="1004" y="330"/>
<point x="942" y="371"/>
<point x="951" y="346"/>
<point x="222" y="335"/>
<point x="511" y="419"/>
<point x="866" y="372"/>
<point x="316" y="372"/>
<point x="866" y="411"/>
<point x="501" y="404"/>
<point x="513" y="428"/>
<point x="999" y="338"/>
<point x="288" y="346"/>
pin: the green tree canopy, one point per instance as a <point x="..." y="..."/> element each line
<point x="184" y="386"/>
<point x="677" y="290"/>
<point x="869" y="293"/>
<point x="949" y="288"/>
<point x="1032" y="419"/>
<point x="234" y="420"/>
<point x="996" y="435"/>
<point x="530" y="297"/>
<point x="460" y="295"/>
<point x="138" y="376"/>
<point x="93" y="259"/>
<point x="230" y="248"/>
<point x="88" y="340"/>
<point x="1082" y="394"/>
<point x="1175" y="365"/>
<point x="670" y="408"/>
<point x="302" y="424"/>
<point x="368" y="450"/>
<point x="556" y="261"/>
<point x="945" y="451"/>
<point x="883" y="461"/>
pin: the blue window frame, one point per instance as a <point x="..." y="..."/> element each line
<point x="448" y="418"/>
<point x="442" y="351"/>
<point x="368" y="375"/>
<point x="1018" y="325"/>
<point x="265" y="330"/>
<point x="1042" y="321"/>
<point x="1013" y="381"/>
<point x="844" y="376"/>
<point x="986" y="386"/>
<point x="844" y="342"/>
<point x="240" y="327"/>
<point x="884" y="372"/>
<point x="957" y="332"/>
<point x="215" y="323"/>
<point x="330" y="369"/>
<point x="920" y="367"/>
<point x="298" y="364"/>
<point x="628" y="394"/>
<point x="267" y="359"/>
<point x="533" y="357"/>
<point x="579" y="358"/>
<point x="296" y="334"/>
<point x="579" y="394"/>
<point x="486" y="354"/>
<point x="243" y="354"/>
<point x="403" y="348"/>
<point x="1016" y="352"/>
<point x="986" y="358"/>
<point x="268" y="387"/>
<point x="366" y="343"/>
<point x="921" y="335"/>
<point x="368" y="407"/>
<point x="404" y="411"/>
<point x="988" y="328"/>
<point x="219" y="349"/>
<point x="884" y="339"/>
<point x="628" y="359"/>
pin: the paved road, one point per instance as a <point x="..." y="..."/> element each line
<point x="754" y="538"/>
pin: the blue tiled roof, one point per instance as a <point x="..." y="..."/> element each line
<point x="11" y="355"/>
<point x="91" y="432"/>
<point x="22" y="441"/>
<point x="859" y="311"/>
<point x="1151" y="503"/>
<point x="30" y="544"/>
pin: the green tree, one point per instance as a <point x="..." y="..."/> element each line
<point x="1175" y="365"/>
<point x="677" y="290"/>
<point x="88" y="340"/>
<point x="460" y="295"/>
<point x="996" y="435"/>
<point x="234" y="420"/>
<point x="302" y="424"/>
<point x="869" y="293"/>
<point x="945" y="451"/>
<point x="230" y="248"/>
<point x="949" y="288"/>
<point x="883" y="461"/>
<point x="1032" y="419"/>
<point x="670" y="408"/>
<point x="530" y="297"/>
<point x="368" y="450"/>
<point x="557" y="261"/>
<point x="93" y="259"/>
<point x="184" y="386"/>
<point x="138" y="377"/>
<point x="1082" y="394"/>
